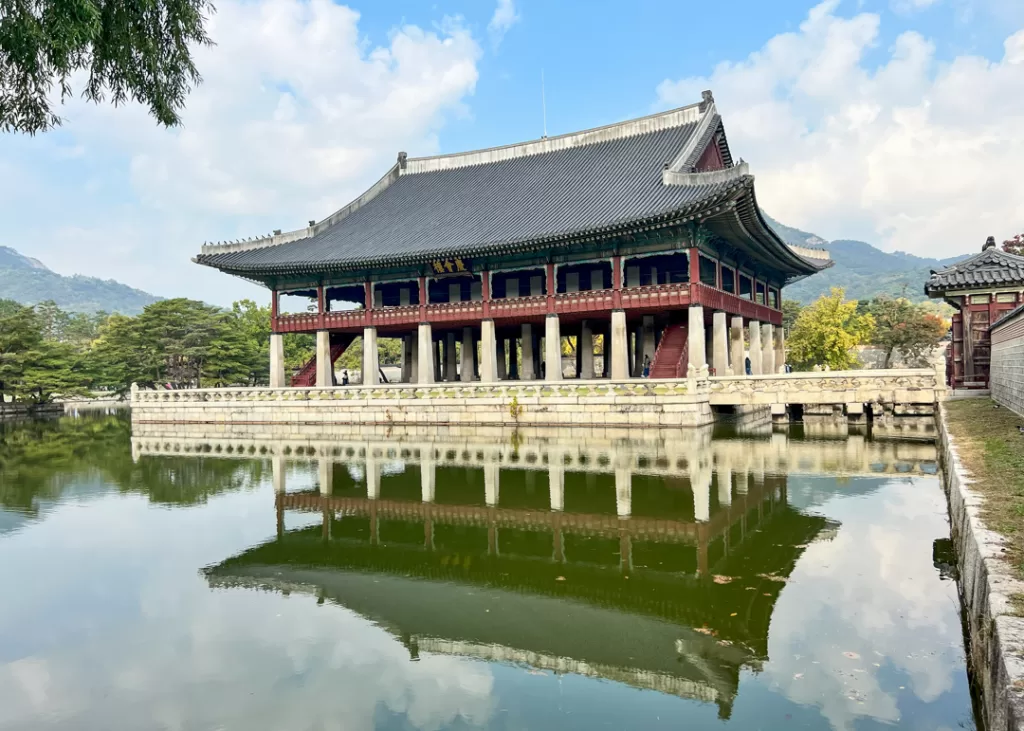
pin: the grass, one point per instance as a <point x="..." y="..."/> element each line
<point x="991" y="447"/>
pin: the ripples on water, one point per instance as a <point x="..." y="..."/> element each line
<point x="759" y="582"/>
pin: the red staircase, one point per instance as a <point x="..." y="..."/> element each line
<point x="672" y="355"/>
<point x="306" y="376"/>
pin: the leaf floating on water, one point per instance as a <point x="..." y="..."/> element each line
<point x="725" y="643"/>
<point x="798" y="676"/>
<point x="767" y="593"/>
<point x="851" y="655"/>
<point x="733" y="614"/>
<point x="721" y="579"/>
<point x="559" y="578"/>
<point x="705" y="631"/>
<point x="773" y="577"/>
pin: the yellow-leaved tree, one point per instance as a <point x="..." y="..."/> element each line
<point x="826" y="332"/>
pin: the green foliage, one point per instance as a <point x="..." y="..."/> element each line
<point x="790" y="312"/>
<point x="140" y="51"/>
<point x="826" y="331"/>
<point x="902" y="326"/>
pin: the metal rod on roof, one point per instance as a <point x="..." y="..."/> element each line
<point x="543" y="105"/>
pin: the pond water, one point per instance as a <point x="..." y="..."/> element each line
<point x="770" y="581"/>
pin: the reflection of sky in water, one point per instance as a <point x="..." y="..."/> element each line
<point x="106" y="623"/>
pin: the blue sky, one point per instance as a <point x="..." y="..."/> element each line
<point x="893" y="121"/>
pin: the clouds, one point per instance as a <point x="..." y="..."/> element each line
<point x="916" y="153"/>
<point x="298" y="113"/>
<point x="505" y="16"/>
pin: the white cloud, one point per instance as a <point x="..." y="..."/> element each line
<point x="914" y="154"/>
<point x="505" y="16"/>
<point x="909" y="6"/>
<point x="297" y="115"/>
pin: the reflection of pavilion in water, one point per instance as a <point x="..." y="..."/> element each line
<point x="604" y="568"/>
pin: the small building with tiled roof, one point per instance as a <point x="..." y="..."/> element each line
<point x="647" y="232"/>
<point x="982" y="288"/>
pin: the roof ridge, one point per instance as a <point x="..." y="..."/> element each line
<point x="656" y="122"/>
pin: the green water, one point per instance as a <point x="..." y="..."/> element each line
<point x="189" y="592"/>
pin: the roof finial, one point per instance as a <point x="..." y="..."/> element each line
<point x="403" y="157"/>
<point x="707" y="99"/>
<point x="990" y="243"/>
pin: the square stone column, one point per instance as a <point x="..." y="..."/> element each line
<point x="529" y="374"/>
<point x="720" y="344"/>
<point x="466" y="360"/>
<point x="585" y="347"/>
<point x="414" y="356"/>
<point x="438" y="363"/>
<point x="277" y="360"/>
<point x="488" y="353"/>
<point x="406" y="359"/>
<point x="323" y="359"/>
<point x="425" y="354"/>
<point x="619" y="350"/>
<point x="767" y="349"/>
<point x="648" y="345"/>
<point x="755" y="348"/>
<point x="696" y="337"/>
<point x="513" y="359"/>
<point x="780" y="350"/>
<point x="736" y="349"/>
<point x="451" y="365"/>
<point x="552" y="349"/>
<point x="371" y="368"/>
<point x="499" y="354"/>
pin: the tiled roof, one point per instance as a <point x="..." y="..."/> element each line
<point x="517" y="197"/>
<point x="991" y="268"/>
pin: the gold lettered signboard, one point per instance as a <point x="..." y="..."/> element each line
<point x="450" y="266"/>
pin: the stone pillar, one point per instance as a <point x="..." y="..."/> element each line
<point x="488" y="353"/>
<point x="720" y="344"/>
<point x="414" y="356"/>
<point x="372" y="476"/>
<point x="424" y="354"/>
<point x="427" y="476"/>
<point x="619" y="347"/>
<point x="277" y="360"/>
<point x="466" y="361"/>
<point x="755" y="348"/>
<point x="648" y="346"/>
<point x="371" y="369"/>
<point x="623" y="492"/>
<point x="780" y="350"/>
<point x="438" y="363"/>
<point x="451" y="365"/>
<point x="736" y="350"/>
<point x="406" y="358"/>
<point x="513" y="359"/>
<point x="696" y="337"/>
<point x="556" y="483"/>
<point x="768" y="349"/>
<point x="491" y="483"/>
<point x="277" y="465"/>
<point x="585" y="347"/>
<point x="529" y="374"/>
<point x="499" y="353"/>
<point x="326" y="473"/>
<point x="552" y="349"/>
<point x="323" y="359"/>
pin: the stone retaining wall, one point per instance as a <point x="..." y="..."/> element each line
<point x="987" y="583"/>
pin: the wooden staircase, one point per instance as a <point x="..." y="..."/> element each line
<point x="672" y="355"/>
<point x="306" y="376"/>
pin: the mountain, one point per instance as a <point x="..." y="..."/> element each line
<point x="30" y="282"/>
<point x="863" y="270"/>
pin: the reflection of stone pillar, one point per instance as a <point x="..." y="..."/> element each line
<point x="466" y="361"/>
<point x="552" y="349"/>
<point x="696" y="337"/>
<point x="277" y="360"/>
<point x="755" y="348"/>
<point x="277" y="464"/>
<point x="736" y="346"/>
<point x="742" y="482"/>
<point x="451" y="365"/>
<point x="558" y="546"/>
<point x="556" y="483"/>
<point x="585" y="347"/>
<point x="625" y="552"/>
<point x="767" y="349"/>
<point x="427" y="477"/>
<point x="424" y="354"/>
<point x="529" y="374"/>
<point x="619" y="346"/>
<point x="489" y="368"/>
<point x="780" y="350"/>
<point x="623" y="492"/>
<point x="323" y="359"/>
<point x="372" y="476"/>
<point x="720" y="344"/>
<point x="371" y="366"/>
<point x="724" y="485"/>
<point x="326" y="476"/>
<point x="491" y="483"/>
<point x="700" y="482"/>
